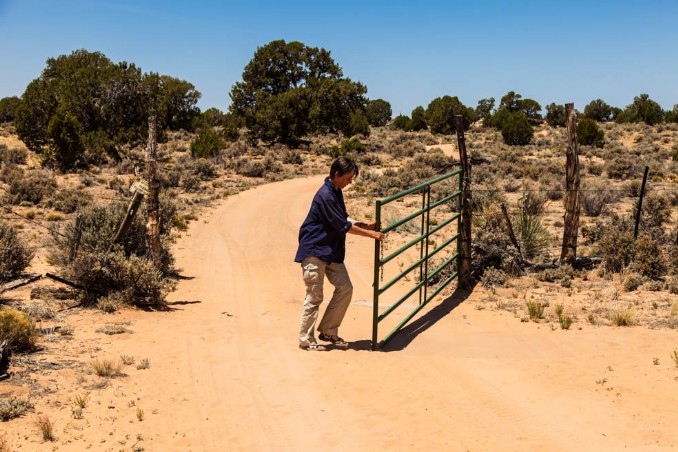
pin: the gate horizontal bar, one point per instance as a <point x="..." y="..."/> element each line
<point x="420" y="186"/>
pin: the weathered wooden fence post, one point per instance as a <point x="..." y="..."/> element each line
<point x="465" y="262"/>
<point x="639" y="210"/>
<point x="572" y="184"/>
<point x="153" y="224"/>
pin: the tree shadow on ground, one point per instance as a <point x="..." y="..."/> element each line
<point x="409" y="332"/>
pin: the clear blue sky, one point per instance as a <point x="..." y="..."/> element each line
<point x="405" y="52"/>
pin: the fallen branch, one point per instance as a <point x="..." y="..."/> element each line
<point x="22" y="281"/>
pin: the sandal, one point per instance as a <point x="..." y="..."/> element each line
<point x="313" y="347"/>
<point x="334" y="339"/>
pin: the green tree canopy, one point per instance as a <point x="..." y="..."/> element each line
<point x="83" y="106"/>
<point x="402" y="122"/>
<point x="598" y="110"/>
<point x="419" y="119"/>
<point x="643" y="109"/>
<point x="514" y="102"/>
<point x="556" y="115"/>
<point x="378" y="112"/>
<point x="441" y="111"/>
<point x="484" y="109"/>
<point x="289" y="90"/>
<point x="516" y="129"/>
<point x="8" y="106"/>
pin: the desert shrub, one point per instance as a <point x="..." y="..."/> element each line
<point x="493" y="277"/>
<point x="656" y="211"/>
<point x="351" y="146"/>
<point x="246" y="166"/>
<point x="623" y="168"/>
<point x="594" y="196"/>
<point x="617" y="245"/>
<point x="207" y="143"/>
<point x="552" y="186"/>
<point x="631" y="282"/>
<point x="15" y="255"/>
<point x="134" y="276"/>
<point x="205" y="169"/>
<point x="292" y="157"/>
<point x="589" y="133"/>
<point x="16" y="156"/>
<point x="170" y="178"/>
<point x="190" y="182"/>
<point x="556" y="274"/>
<point x="491" y="244"/>
<point x="126" y="268"/>
<point x="68" y="200"/>
<point x="13" y="407"/>
<point x="17" y="328"/>
<point x="672" y="254"/>
<point x="533" y="202"/>
<point x="648" y="259"/>
<point x="30" y="187"/>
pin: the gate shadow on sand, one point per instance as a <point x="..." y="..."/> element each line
<point x="409" y="332"/>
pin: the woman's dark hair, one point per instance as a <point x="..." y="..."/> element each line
<point x="343" y="165"/>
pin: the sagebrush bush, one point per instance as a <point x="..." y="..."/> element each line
<point x="631" y="282"/>
<point x="648" y="259"/>
<point x="126" y="268"/>
<point x="15" y="156"/>
<point x="617" y="245"/>
<point x="15" y="255"/>
<point x="17" y="328"/>
<point x="30" y="186"/>
<point x="67" y="200"/>
<point x="594" y="196"/>
<point x="493" y="277"/>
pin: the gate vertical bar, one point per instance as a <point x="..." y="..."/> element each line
<point x="427" y="239"/>
<point x="422" y="230"/>
<point x="375" y="285"/>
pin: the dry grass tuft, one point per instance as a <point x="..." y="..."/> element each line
<point x="622" y="317"/>
<point x="46" y="427"/>
<point x="106" y="367"/>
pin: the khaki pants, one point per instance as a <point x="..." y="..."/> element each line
<point x="314" y="271"/>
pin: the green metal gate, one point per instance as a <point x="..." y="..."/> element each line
<point x="425" y="254"/>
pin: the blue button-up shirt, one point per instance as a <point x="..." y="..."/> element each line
<point x="323" y="233"/>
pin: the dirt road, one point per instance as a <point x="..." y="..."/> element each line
<point x="226" y="372"/>
<point x="459" y="379"/>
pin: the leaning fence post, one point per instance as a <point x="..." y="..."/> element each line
<point x="572" y="182"/>
<point x="466" y="208"/>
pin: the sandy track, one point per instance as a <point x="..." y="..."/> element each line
<point x="458" y="379"/>
<point x="227" y="373"/>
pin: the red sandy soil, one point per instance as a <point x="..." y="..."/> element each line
<point x="226" y="373"/>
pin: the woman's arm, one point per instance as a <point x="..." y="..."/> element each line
<point x="366" y="230"/>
